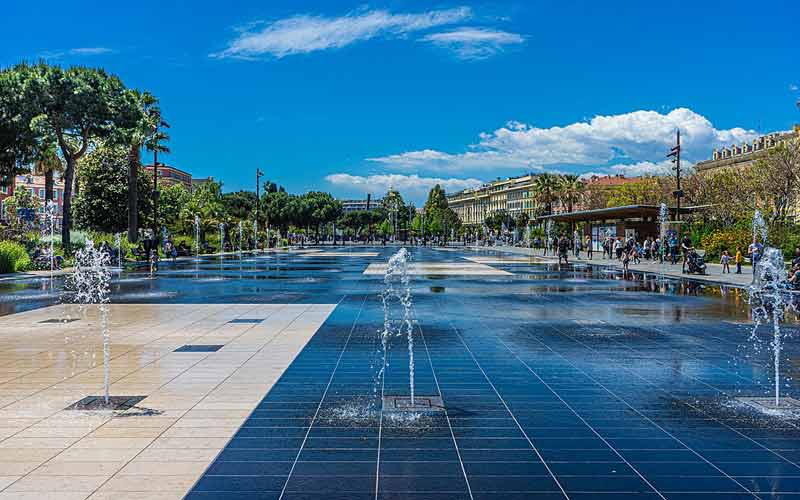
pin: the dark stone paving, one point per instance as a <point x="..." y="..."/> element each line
<point x="556" y="383"/>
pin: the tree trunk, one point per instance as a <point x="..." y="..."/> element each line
<point x="49" y="182"/>
<point x="133" y="193"/>
<point x="66" y="222"/>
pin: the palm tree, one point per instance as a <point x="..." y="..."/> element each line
<point x="545" y="189"/>
<point x="48" y="164"/>
<point x="570" y="191"/>
<point x="143" y="134"/>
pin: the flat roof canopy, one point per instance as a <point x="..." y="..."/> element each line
<point x="624" y="212"/>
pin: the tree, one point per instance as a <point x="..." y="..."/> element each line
<point x="206" y="203"/>
<point x="322" y="209"/>
<point x="778" y="178"/>
<point x="545" y="189"/>
<point x="104" y="190"/>
<point x="143" y="132"/>
<point x="18" y="140"/>
<point x="240" y="205"/>
<point x="171" y="201"/>
<point x="75" y="106"/>
<point x="436" y="199"/>
<point x="48" y="164"/>
<point x="23" y="198"/>
<point x="570" y="191"/>
<point x="497" y="219"/>
<point x="280" y="209"/>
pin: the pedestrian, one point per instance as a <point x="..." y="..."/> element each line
<point x="738" y="259"/>
<point x="626" y="259"/>
<point x="618" y="247"/>
<point x="589" y="249"/>
<point x="686" y="248"/>
<point x="725" y="261"/>
<point x="754" y="251"/>
<point x="563" y="250"/>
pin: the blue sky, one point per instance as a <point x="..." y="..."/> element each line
<point x="354" y="97"/>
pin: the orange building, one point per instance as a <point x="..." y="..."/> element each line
<point x="169" y="176"/>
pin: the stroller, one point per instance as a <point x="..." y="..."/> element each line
<point x="695" y="263"/>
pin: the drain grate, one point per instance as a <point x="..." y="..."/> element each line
<point x="247" y="320"/>
<point x="421" y="403"/>
<point x="90" y="403"/>
<point x="58" y="320"/>
<point x="199" y="348"/>
<point x="768" y="404"/>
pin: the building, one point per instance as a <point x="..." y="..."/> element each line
<point x="36" y="185"/>
<point x="637" y="221"/>
<point x="514" y="195"/>
<point x="196" y="183"/>
<point x="356" y="205"/>
<point x="745" y="155"/>
<point x="169" y="176"/>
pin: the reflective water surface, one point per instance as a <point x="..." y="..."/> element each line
<point x="574" y="382"/>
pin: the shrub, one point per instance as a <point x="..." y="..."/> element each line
<point x="13" y="257"/>
<point x="725" y="239"/>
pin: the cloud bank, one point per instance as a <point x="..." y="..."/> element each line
<point x="635" y="141"/>
<point x="411" y="186"/>
<point x="306" y="33"/>
<point x="474" y="43"/>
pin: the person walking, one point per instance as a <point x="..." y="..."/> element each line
<point x="725" y="261"/>
<point x="589" y="249"/>
<point x="618" y="247"/>
<point x="686" y="248"/>
<point x="738" y="259"/>
<point x="626" y="260"/>
<point x="563" y="249"/>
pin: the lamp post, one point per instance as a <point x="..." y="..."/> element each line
<point x="675" y="154"/>
<point x="155" y="179"/>
<point x="259" y="173"/>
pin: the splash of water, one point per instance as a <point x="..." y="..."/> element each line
<point x="241" y="238"/>
<point x="768" y="304"/>
<point x="47" y="231"/>
<point x="221" y="239"/>
<point x="118" y="245"/>
<point x="197" y="236"/>
<point x="90" y="283"/>
<point x="759" y="228"/>
<point x="397" y="285"/>
<point x="255" y="234"/>
<point x="663" y="225"/>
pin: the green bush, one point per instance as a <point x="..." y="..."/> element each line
<point x="13" y="257"/>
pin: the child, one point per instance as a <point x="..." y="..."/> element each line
<point x="724" y="260"/>
<point x="738" y="260"/>
<point x="626" y="259"/>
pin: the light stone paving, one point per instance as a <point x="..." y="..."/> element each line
<point x="443" y="269"/>
<point x="502" y="259"/>
<point x="195" y="401"/>
<point x="341" y="254"/>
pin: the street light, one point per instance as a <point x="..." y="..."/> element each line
<point x="259" y="173"/>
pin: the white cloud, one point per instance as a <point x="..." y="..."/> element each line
<point x="645" y="168"/>
<point x="412" y="186"/>
<point x="305" y="33"/>
<point x="794" y="88"/>
<point x="77" y="52"/>
<point x="638" y="136"/>
<point x="474" y="43"/>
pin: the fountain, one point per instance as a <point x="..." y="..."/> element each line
<point x="221" y="239"/>
<point x="767" y="302"/>
<point x="48" y="231"/>
<point x="255" y="235"/>
<point x="397" y="271"/>
<point x="663" y="221"/>
<point x="197" y="237"/>
<point x="118" y="245"/>
<point x="90" y="284"/>
<point x="241" y="238"/>
<point x="164" y="238"/>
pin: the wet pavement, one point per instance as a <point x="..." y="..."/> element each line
<point x="574" y="382"/>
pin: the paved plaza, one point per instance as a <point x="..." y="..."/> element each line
<point x="264" y="377"/>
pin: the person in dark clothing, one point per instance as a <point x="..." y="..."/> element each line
<point x="686" y="248"/>
<point x="563" y="249"/>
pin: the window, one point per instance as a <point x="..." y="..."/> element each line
<point x="41" y="193"/>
